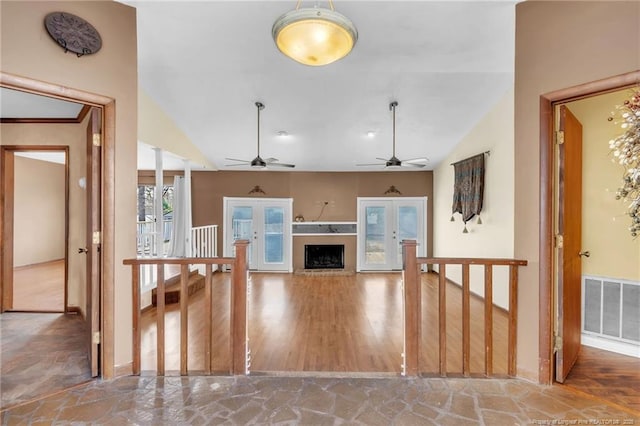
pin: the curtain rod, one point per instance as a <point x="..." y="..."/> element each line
<point x="486" y="153"/>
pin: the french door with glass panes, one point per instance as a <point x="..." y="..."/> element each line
<point x="383" y="223"/>
<point x="266" y="223"/>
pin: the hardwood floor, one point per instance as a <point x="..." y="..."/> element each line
<point x="39" y="288"/>
<point x="336" y="324"/>
<point x="354" y="324"/>
<point x="607" y="375"/>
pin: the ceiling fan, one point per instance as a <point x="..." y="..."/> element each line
<point x="259" y="162"/>
<point x="394" y="161"/>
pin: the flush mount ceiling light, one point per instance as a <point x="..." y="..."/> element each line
<point x="314" y="36"/>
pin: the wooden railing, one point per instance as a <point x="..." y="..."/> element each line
<point x="239" y="352"/>
<point x="204" y="241"/>
<point x="238" y="306"/>
<point x="413" y="310"/>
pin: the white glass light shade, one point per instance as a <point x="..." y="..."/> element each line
<point x="314" y="36"/>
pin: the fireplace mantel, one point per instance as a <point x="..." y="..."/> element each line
<point x="324" y="228"/>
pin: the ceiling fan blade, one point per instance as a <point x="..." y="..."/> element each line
<point x="382" y="159"/>
<point x="237" y="165"/>
<point x="235" y="159"/>
<point x="280" y="165"/>
<point x="270" y="160"/>
<point x="372" y="164"/>
<point x="416" y="160"/>
<point x="404" y="163"/>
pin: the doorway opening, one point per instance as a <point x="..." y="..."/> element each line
<point x="97" y="334"/>
<point x="383" y="223"/>
<point x="265" y="223"/>
<point x="40" y="228"/>
<point x="578" y="243"/>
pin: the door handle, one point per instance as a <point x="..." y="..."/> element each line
<point x="585" y="253"/>
<point x="83" y="250"/>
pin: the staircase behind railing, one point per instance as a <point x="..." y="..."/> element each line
<point x="203" y="240"/>
<point x="238" y="308"/>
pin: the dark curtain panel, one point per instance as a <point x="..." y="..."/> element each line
<point x="468" y="187"/>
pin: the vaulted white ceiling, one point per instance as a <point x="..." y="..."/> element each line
<point x="205" y="64"/>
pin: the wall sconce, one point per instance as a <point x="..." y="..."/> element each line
<point x="257" y="190"/>
<point x="392" y="190"/>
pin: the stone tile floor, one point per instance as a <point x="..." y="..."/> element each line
<point x="316" y="401"/>
<point x="40" y="354"/>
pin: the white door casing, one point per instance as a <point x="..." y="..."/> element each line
<point x="266" y="223"/>
<point x="383" y="222"/>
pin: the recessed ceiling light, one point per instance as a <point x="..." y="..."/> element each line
<point x="371" y="134"/>
<point x="282" y="133"/>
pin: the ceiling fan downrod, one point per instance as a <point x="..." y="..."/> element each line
<point x="260" y="107"/>
<point x="392" y="108"/>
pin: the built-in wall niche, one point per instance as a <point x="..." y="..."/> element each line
<point x="324" y="228"/>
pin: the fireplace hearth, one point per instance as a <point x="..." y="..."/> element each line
<point x="324" y="256"/>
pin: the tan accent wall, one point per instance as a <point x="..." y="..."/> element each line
<point x="73" y="136"/>
<point x="494" y="237"/>
<point x="605" y="223"/>
<point x="309" y="191"/>
<point x="27" y="50"/>
<point x="39" y="206"/>
<point x="559" y="44"/>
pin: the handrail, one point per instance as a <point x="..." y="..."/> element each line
<point x="413" y="309"/>
<point x="470" y="261"/>
<point x="179" y="260"/>
<point x="238" y="304"/>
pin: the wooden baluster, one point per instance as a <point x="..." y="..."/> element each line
<point x="135" y="306"/>
<point x="466" y="321"/>
<point x="442" y="317"/>
<point x="238" y="321"/>
<point x="208" y="315"/>
<point x="184" y="319"/>
<point x="411" y="308"/>
<point x="160" y="298"/>
<point x="488" y="320"/>
<point x="513" y="318"/>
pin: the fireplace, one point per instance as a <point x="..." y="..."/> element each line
<point x="324" y="256"/>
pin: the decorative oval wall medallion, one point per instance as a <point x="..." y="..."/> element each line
<point x="73" y="33"/>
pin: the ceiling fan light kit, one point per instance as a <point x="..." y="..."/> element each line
<point x="314" y="36"/>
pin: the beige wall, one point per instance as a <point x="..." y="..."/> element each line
<point x="73" y="136"/>
<point x="309" y="190"/>
<point x="27" y="50"/>
<point x="494" y="237"/>
<point x="39" y="206"/>
<point x="605" y="223"/>
<point x="559" y="44"/>
<point x="157" y="129"/>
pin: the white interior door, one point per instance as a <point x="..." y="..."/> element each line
<point x="383" y="223"/>
<point x="266" y="223"/>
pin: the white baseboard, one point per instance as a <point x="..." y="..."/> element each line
<point x="611" y="345"/>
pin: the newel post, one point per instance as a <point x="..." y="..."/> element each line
<point x="239" y="337"/>
<point x="412" y="303"/>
